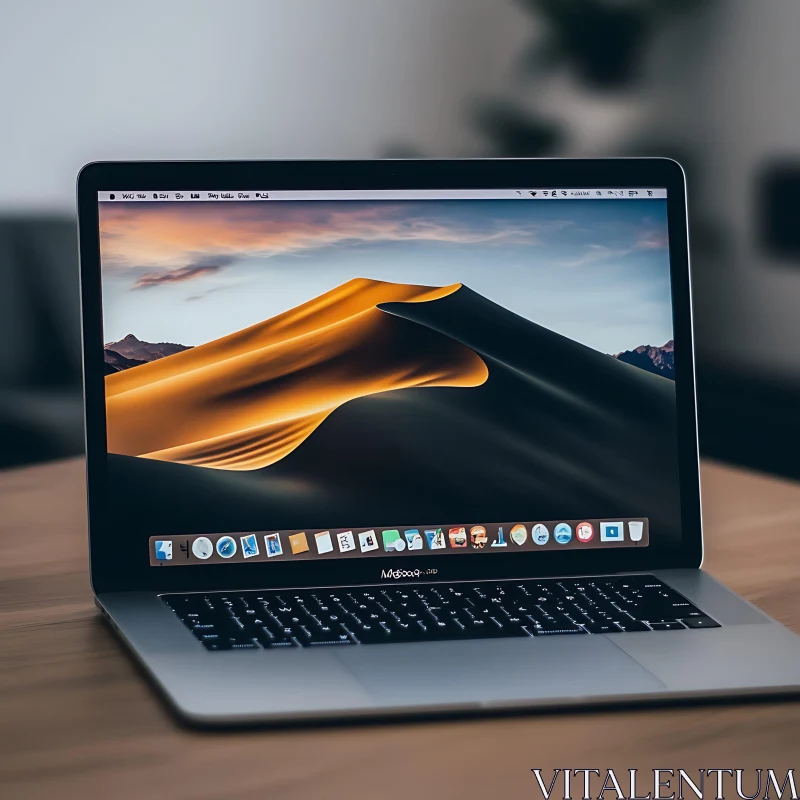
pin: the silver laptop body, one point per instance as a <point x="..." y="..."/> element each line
<point x="386" y="398"/>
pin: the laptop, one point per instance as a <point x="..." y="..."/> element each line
<point x="385" y="438"/>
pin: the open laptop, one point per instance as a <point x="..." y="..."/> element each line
<point x="402" y="437"/>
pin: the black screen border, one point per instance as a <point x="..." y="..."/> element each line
<point x="123" y="565"/>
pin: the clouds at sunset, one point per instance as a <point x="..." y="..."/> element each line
<point x="596" y="271"/>
<point x="177" y="242"/>
<point x="206" y="266"/>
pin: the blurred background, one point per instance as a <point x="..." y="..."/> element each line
<point x="712" y="83"/>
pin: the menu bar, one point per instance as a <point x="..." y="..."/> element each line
<point x="300" y="545"/>
<point x="236" y="196"/>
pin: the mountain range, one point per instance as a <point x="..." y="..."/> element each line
<point x="132" y="352"/>
<point x="115" y="362"/>
<point x="658" y="360"/>
<point x="388" y="404"/>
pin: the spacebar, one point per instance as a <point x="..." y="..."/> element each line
<point x="453" y="629"/>
<point x="485" y="631"/>
<point x="435" y="633"/>
<point x="320" y="638"/>
<point x="554" y="630"/>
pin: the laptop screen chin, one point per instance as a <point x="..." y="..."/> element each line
<point x="297" y="376"/>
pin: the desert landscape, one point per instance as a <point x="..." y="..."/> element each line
<point x="245" y="401"/>
<point x="376" y="397"/>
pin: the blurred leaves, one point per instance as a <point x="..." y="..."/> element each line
<point x="603" y="41"/>
<point x="514" y="132"/>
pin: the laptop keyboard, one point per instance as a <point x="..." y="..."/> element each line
<point x="434" y="612"/>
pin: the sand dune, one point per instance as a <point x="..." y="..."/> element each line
<point x="249" y="399"/>
<point x="557" y="431"/>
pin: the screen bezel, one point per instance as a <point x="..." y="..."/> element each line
<point x="124" y="566"/>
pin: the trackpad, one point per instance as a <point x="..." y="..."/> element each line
<point x="499" y="669"/>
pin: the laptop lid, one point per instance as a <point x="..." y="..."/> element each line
<point x="325" y="373"/>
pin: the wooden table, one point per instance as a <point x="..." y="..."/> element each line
<point x="78" y="720"/>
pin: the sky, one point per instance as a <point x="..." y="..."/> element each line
<point x="596" y="271"/>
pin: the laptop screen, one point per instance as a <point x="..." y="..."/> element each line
<point x="355" y="374"/>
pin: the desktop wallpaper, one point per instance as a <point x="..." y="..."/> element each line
<point x="333" y="364"/>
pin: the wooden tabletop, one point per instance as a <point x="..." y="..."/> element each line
<point x="78" y="720"/>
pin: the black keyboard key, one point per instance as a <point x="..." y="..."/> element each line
<point x="553" y="631"/>
<point x="433" y="629"/>
<point x="476" y="625"/>
<point x="700" y="622"/>
<point x="490" y="628"/>
<point x="631" y="625"/>
<point x="217" y="646"/>
<point x="554" y="628"/>
<point x="319" y="639"/>
<point x="372" y="634"/>
<point x="242" y="644"/>
<point x="667" y="626"/>
<point x="604" y="627"/>
<point x="268" y="641"/>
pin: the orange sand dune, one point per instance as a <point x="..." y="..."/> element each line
<point x="248" y="399"/>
